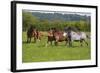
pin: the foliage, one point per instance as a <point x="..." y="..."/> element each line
<point x="28" y="20"/>
<point x="45" y="24"/>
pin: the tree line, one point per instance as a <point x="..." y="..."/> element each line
<point x="45" y="24"/>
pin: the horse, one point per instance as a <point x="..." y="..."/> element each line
<point x="56" y="36"/>
<point x="33" y="32"/>
<point x="77" y="37"/>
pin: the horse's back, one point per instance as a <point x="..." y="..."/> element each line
<point x="78" y="35"/>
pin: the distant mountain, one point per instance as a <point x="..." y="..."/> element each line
<point x="59" y="16"/>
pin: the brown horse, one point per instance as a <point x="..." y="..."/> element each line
<point x="56" y="36"/>
<point x="33" y="32"/>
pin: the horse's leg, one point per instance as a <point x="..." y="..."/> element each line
<point x="39" y="38"/>
<point x="30" y="40"/>
<point x="51" y="42"/>
<point x="66" y="43"/>
<point x="34" y="39"/>
<point x="66" y="40"/>
<point x="86" y="42"/>
<point x="47" y="42"/>
<point x="81" y="42"/>
<point x="56" y="42"/>
<point x="70" y="43"/>
<point x="27" y="40"/>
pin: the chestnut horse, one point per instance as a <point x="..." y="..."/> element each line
<point x="56" y="36"/>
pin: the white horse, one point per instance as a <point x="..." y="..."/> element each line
<point x="78" y="36"/>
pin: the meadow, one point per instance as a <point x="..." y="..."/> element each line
<point x="38" y="52"/>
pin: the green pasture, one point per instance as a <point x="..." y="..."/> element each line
<point x="38" y="52"/>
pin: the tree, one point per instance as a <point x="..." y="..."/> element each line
<point x="28" y="19"/>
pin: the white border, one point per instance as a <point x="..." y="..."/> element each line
<point x="21" y="65"/>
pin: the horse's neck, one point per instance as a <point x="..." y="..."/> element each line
<point x="75" y="32"/>
<point x="50" y="32"/>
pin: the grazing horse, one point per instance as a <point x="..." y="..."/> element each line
<point x="33" y="32"/>
<point x="56" y="36"/>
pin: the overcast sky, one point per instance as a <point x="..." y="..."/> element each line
<point x="62" y="12"/>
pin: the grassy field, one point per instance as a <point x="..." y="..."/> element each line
<point x="37" y="52"/>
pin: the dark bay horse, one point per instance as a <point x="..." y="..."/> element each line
<point x="33" y="32"/>
<point x="56" y="36"/>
